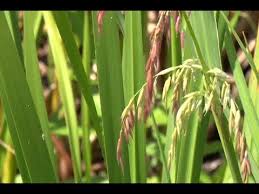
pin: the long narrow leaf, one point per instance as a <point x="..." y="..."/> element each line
<point x="26" y="131"/>
<point x="65" y="89"/>
<point x="221" y="120"/>
<point x="245" y="97"/>
<point x="108" y="56"/>
<point x="133" y="79"/>
<point x="66" y="34"/>
<point x="34" y="80"/>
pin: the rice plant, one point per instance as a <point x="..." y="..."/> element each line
<point x="129" y="97"/>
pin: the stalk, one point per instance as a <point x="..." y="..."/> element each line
<point x="85" y="121"/>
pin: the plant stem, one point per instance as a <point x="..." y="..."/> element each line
<point x="222" y="126"/>
<point x="159" y="143"/>
<point x="175" y="44"/>
<point x="85" y="112"/>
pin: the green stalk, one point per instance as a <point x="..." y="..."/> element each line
<point x="169" y="132"/>
<point x="65" y="89"/>
<point x="222" y="126"/>
<point x="159" y="143"/>
<point x="175" y="44"/>
<point x="85" y="121"/>
<point x="145" y="37"/>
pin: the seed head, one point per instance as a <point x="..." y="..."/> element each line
<point x="177" y="24"/>
<point x="119" y="152"/>
<point x="154" y="60"/>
